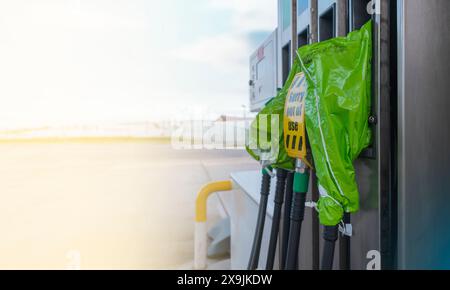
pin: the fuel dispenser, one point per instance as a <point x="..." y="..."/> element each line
<point x="338" y="103"/>
<point x="389" y="100"/>
<point x="324" y="108"/>
<point x="327" y="98"/>
<point x="360" y="109"/>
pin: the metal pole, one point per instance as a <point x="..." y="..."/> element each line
<point x="342" y="19"/>
<point x="382" y="89"/>
<point x="294" y="41"/>
<point x="314" y="22"/>
<point x="294" y="47"/>
<point x="315" y="191"/>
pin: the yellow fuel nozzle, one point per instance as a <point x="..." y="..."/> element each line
<point x="294" y="119"/>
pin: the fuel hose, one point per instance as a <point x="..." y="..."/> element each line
<point x="301" y="182"/>
<point x="276" y="219"/>
<point x="286" y="218"/>
<point x="259" y="230"/>
<point x="330" y="236"/>
<point x="344" y="247"/>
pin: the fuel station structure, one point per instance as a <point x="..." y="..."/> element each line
<point x="403" y="176"/>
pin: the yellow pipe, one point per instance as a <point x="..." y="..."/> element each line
<point x="203" y="195"/>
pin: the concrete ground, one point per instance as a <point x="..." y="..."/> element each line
<point x="104" y="205"/>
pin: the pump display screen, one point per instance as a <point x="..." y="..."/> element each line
<point x="294" y="118"/>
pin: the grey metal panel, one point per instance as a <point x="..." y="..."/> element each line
<point x="342" y="19"/>
<point x="264" y="82"/>
<point x="365" y="222"/>
<point x="424" y="134"/>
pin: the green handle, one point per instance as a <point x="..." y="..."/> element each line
<point x="301" y="182"/>
<point x="265" y="171"/>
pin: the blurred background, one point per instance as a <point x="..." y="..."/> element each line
<point x="91" y="94"/>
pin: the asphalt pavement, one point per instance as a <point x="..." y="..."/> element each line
<point x="104" y="205"/>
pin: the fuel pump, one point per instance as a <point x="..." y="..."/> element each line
<point x="338" y="106"/>
<point x="295" y="143"/>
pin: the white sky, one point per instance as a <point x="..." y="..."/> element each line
<point x="87" y="61"/>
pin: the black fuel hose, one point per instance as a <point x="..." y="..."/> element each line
<point x="297" y="216"/>
<point x="344" y="248"/>
<point x="286" y="218"/>
<point x="301" y="182"/>
<point x="259" y="230"/>
<point x="276" y="219"/>
<point x="330" y="236"/>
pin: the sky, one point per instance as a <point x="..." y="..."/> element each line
<point x="66" y="62"/>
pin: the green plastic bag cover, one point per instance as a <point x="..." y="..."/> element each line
<point x="337" y="105"/>
<point x="260" y="150"/>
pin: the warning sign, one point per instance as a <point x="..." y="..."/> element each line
<point x="294" y="118"/>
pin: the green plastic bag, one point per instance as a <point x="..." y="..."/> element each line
<point x="337" y="108"/>
<point x="266" y="138"/>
